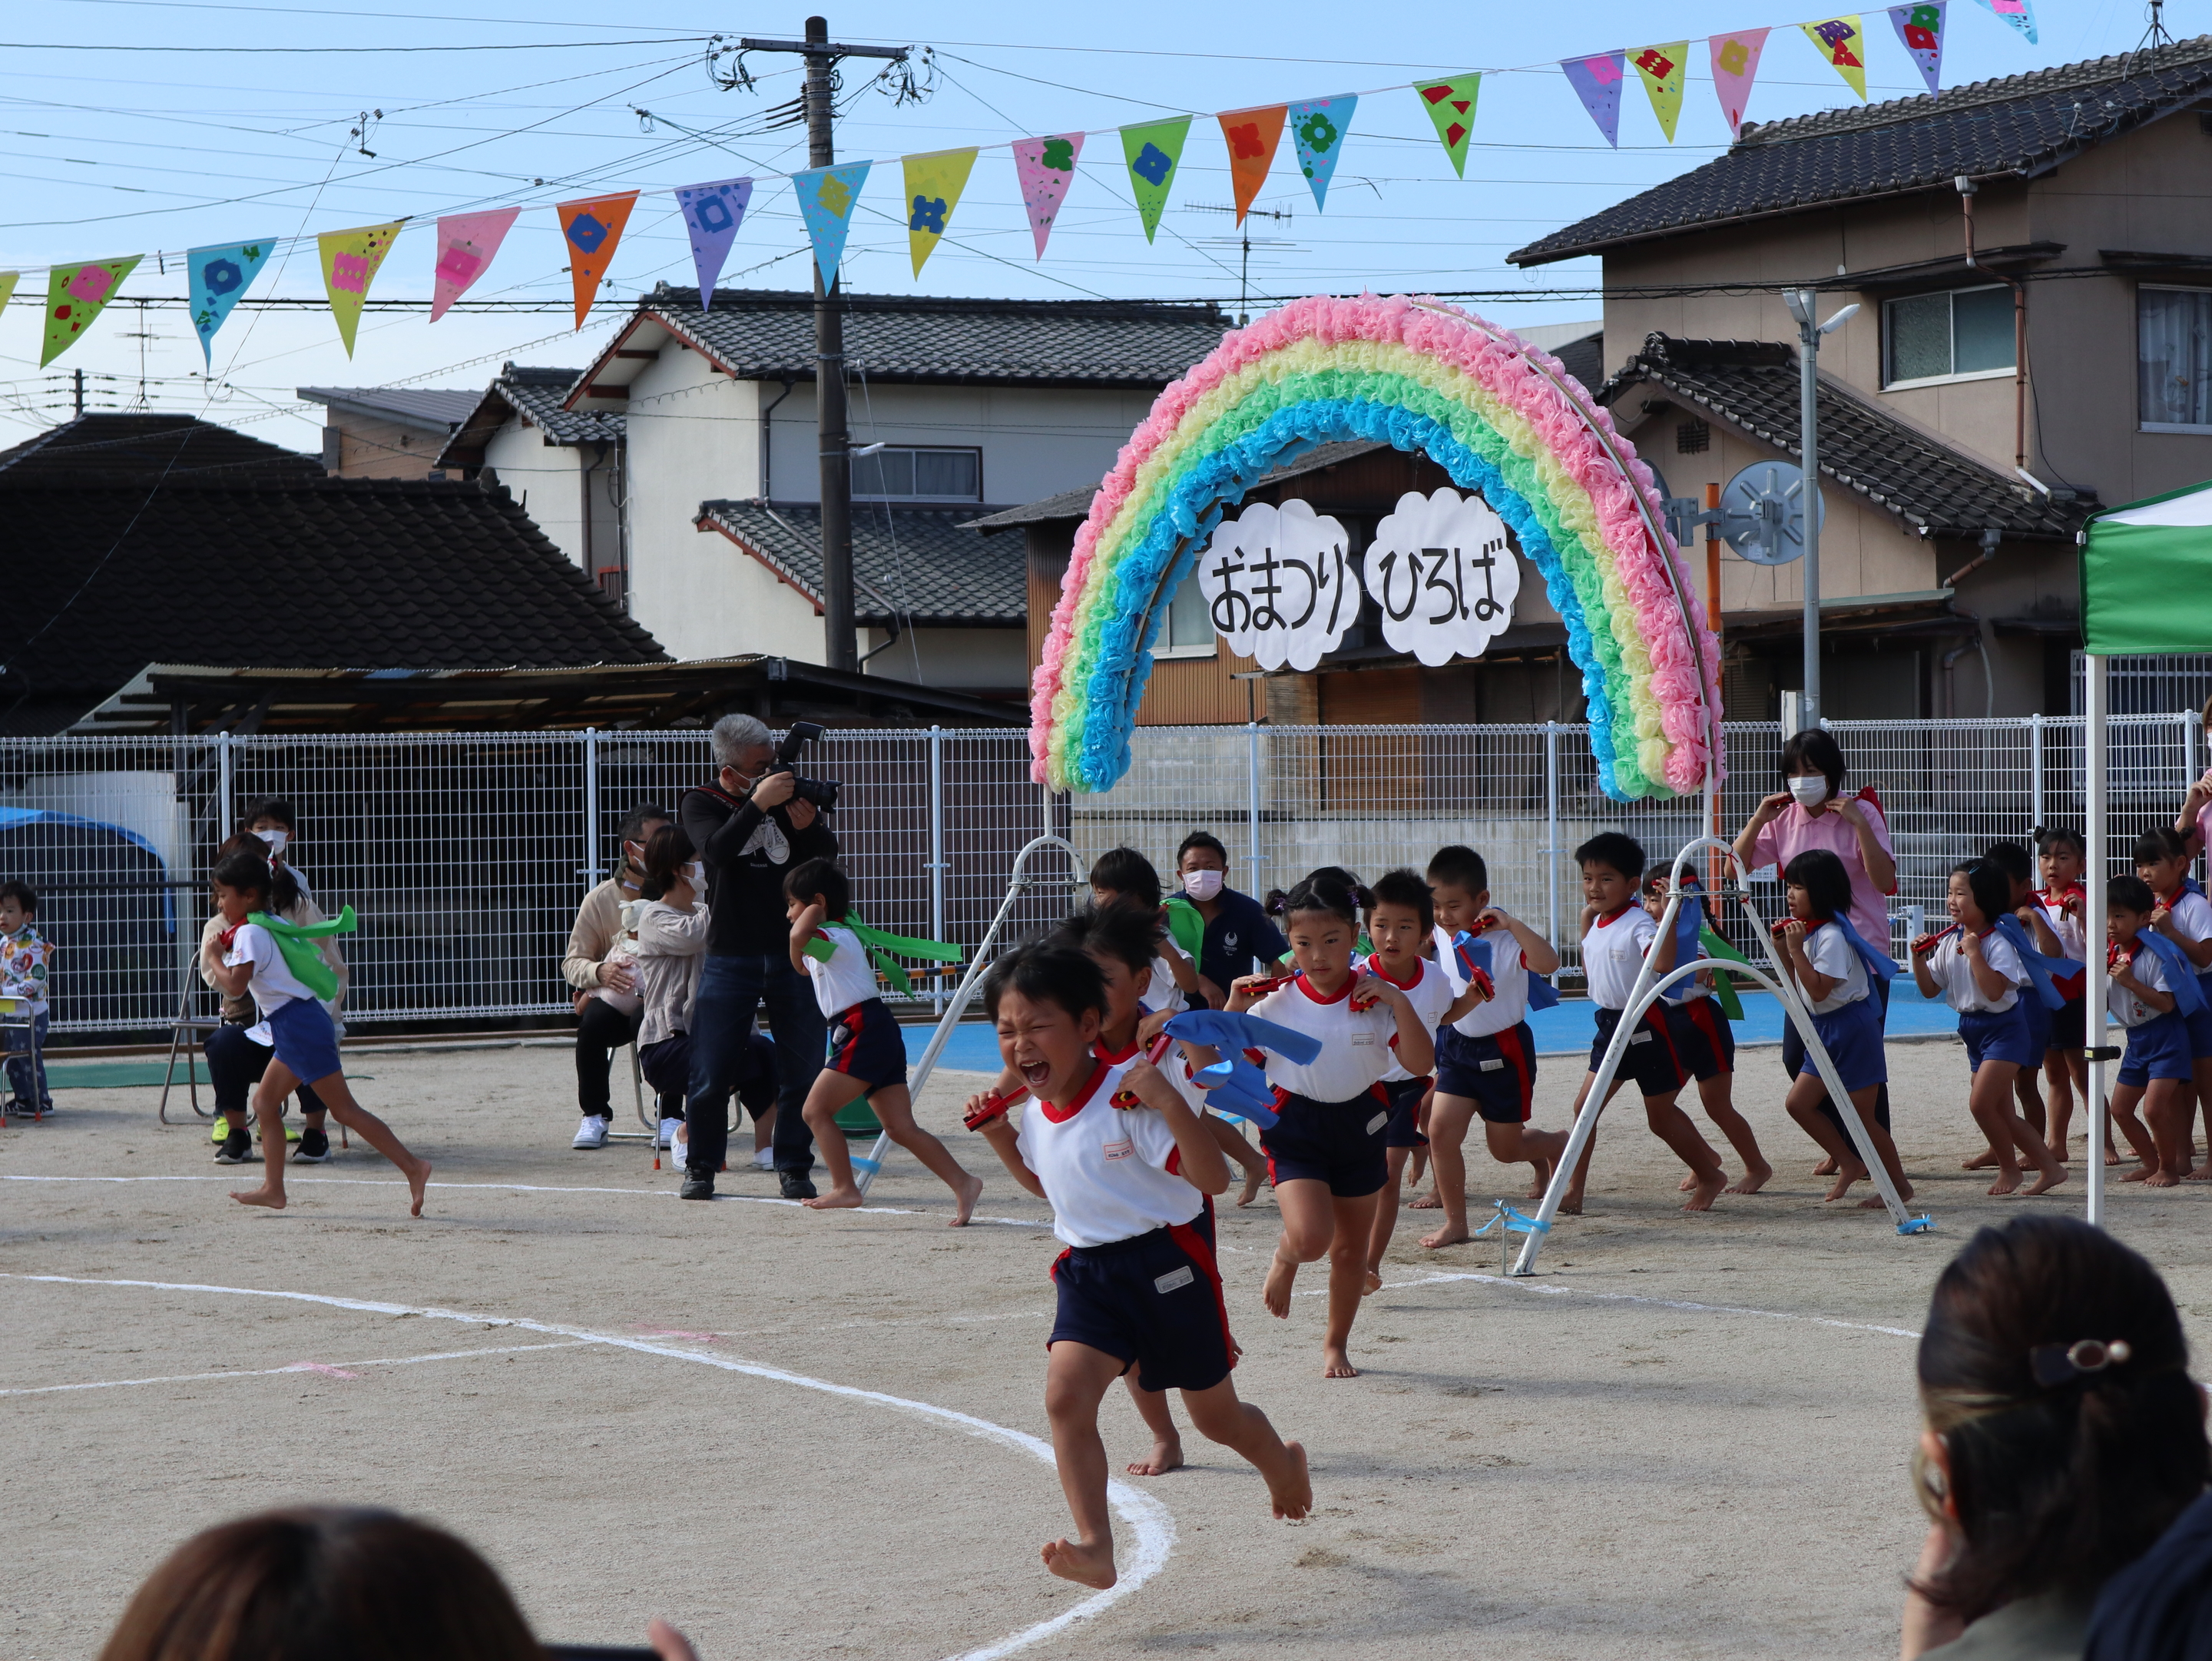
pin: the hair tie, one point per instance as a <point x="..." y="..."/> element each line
<point x="2053" y="1365"/>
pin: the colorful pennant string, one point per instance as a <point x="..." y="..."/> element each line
<point x="826" y="195"/>
<point x="1153" y="151"/>
<point x="592" y="228"/>
<point x="933" y="183"/>
<point x="8" y="281"/>
<point x="712" y="214"/>
<point x="76" y="294"/>
<point x="350" y="260"/>
<point x="1736" y="62"/>
<point x="1843" y="43"/>
<point x="1045" y="168"/>
<point x="215" y="278"/>
<point x="2020" y="14"/>
<point x="1317" y="130"/>
<point x="1920" y="32"/>
<point x="1252" y="136"/>
<point x="466" y="243"/>
<point x="1450" y="105"/>
<point x="1597" y="81"/>
<point x="1661" y="68"/>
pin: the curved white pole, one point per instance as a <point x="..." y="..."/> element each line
<point x="1646" y="992"/>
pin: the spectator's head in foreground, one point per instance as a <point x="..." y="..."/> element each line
<point x="2064" y="1432"/>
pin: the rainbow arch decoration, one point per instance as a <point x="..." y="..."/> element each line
<point x="1500" y="415"/>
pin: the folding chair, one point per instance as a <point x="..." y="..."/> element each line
<point x="185" y="1032"/>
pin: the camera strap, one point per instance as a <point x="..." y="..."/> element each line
<point x="723" y="796"/>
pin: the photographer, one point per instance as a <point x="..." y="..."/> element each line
<point x="751" y="827"/>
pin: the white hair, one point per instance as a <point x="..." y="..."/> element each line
<point x="733" y="735"/>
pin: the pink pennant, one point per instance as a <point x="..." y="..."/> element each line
<point x="1046" y="167"/>
<point x="1735" y="61"/>
<point x="466" y="243"/>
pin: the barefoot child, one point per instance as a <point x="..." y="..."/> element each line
<point x="1833" y="968"/>
<point x="1400" y="921"/>
<point x="1618" y="935"/>
<point x="1974" y="969"/>
<point x="1705" y="1043"/>
<point x="2064" y="857"/>
<point x="2156" y="1072"/>
<point x="1127" y="1168"/>
<point x="1327" y="1148"/>
<point x="1487" y="1057"/>
<point x="2184" y="916"/>
<point x="868" y="1053"/>
<point x="245" y="957"/>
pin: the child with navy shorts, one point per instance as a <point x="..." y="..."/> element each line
<point x="2018" y="868"/>
<point x="1834" y="969"/>
<point x="1705" y="1043"/>
<point x="2185" y="916"/>
<point x="1127" y="1168"/>
<point x="1325" y="1148"/>
<point x="867" y="1053"/>
<point x="1618" y="935"/>
<point x="245" y="957"/>
<point x="2157" y="1071"/>
<point x="1486" y="1058"/>
<point x="2062" y="857"/>
<point x="1974" y="969"/>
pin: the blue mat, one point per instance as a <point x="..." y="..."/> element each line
<point x="1568" y="1030"/>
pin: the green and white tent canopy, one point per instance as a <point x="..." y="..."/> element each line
<point x="2147" y="576"/>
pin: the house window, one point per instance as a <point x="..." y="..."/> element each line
<point x="1957" y="335"/>
<point x="911" y="473"/>
<point x="1188" y="631"/>
<point x="2174" y="360"/>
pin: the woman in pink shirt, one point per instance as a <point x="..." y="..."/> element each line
<point x="1811" y="810"/>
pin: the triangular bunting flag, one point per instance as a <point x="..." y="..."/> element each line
<point x="8" y="281"/>
<point x="592" y="228"/>
<point x="350" y="259"/>
<point x="712" y="214"/>
<point x="1920" y="31"/>
<point x="933" y="183"/>
<point x="1317" y="130"/>
<point x="1735" y="61"/>
<point x="1045" y="168"/>
<point x="74" y="295"/>
<point x="1450" y="105"/>
<point x="826" y="195"/>
<point x="1843" y="43"/>
<point x="1153" y="152"/>
<point x="1662" y="69"/>
<point x="1597" y="81"/>
<point x="466" y="243"/>
<point x="1252" y="136"/>
<point x="2020" y="14"/>
<point x="215" y="278"/>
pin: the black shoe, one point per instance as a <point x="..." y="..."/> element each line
<point x="698" y="1184"/>
<point x="797" y="1187"/>
<point x="314" y="1147"/>
<point x="237" y="1149"/>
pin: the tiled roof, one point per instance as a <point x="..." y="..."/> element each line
<point x="535" y="395"/>
<point x="1076" y="504"/>
<point x="178" y="447"/>
<point x="1584" y="358"/>
<point x="757" y="335"/>
<point x="2022" y="124"/>
<point x="404" y="574"/>
<point x="1937" y="491"/>
<point x="434" y="409"/>
<point x="924" y="564"/>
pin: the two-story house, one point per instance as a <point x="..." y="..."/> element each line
<point x="565" y="468"/>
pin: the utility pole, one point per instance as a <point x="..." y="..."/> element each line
<point x="1801" y="303"/>
<point x="79" y="376"/>
<point x="841" y="651"/>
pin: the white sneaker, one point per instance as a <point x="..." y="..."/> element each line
<point x="668" y="1130"/>
<point x="679" y="1143"/>
<point x="763" y="1159"/>
<point x="591" y="1133"/>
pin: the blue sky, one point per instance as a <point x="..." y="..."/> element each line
<point x="152" y="126"/>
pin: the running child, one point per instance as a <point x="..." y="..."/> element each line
<point x="1122" y="875"/>
<point x="1127" y="1168"/>
<point x="245" y="957"/>
<point x="2184" y="916"/>
<point x="1705" y="1043"/>
<point x="1974" y="969"/>
<point x="1487" y="1057"/>
<point x="1326" y="1149"/>
<point x="1830" y="964"/>
<point x="2062" y="857"/>
<point x="868" y="1053"/>
<point x="1617" y="936"/>
<point x="1401" y="918"/>
<point x="2013" y="861"/>
<point x="2157" y="1071"/>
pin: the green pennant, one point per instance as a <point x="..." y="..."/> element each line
<point x="1153" y="151"/>
<point x="1450" y="105"/>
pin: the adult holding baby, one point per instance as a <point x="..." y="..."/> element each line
<point x="602" y="973"/>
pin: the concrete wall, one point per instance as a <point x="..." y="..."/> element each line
<point x="372" y="448"/>
<point x="542" y="478"/>
<point x="962" y="659"/>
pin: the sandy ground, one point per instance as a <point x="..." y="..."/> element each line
<point x="1577" y="1466"/>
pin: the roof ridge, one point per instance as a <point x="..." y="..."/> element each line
<point x="942" y="305"/>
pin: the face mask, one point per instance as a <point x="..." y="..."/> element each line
<point x="1809" y="792"/>
<point x="1202" y="885"/>
<point x="276" y="839"/>
<point x="695" y="874"/>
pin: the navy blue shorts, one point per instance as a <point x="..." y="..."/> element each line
<point x="1852" y="1038"/>
<point x="1703" y="1039"/>
<point x="2040" y="1015"/>
<point x="1340" y="1143"/>
<point x="1650" y="1059"/>
<point x="2069" y="1027"/>
<point x="866" y="1044"/>
<point x="1153" y="1302"/>
<point x="1999" y="1038"/>
<point x="1496" y="1072"/>
<point x="1404" y="1129"/>
<point x="306" y="1043"/>
<point x="2159" y="1049"/>
<point x="2200" y="1024"/>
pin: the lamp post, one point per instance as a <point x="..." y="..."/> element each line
<point x="1800" y="302"/>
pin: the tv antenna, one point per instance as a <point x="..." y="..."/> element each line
<point x="1243" y="239"/>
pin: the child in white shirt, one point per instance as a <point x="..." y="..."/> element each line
<point x="2157" y="1071"/>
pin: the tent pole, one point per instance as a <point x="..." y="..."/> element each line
<point x="2093" y="928"/>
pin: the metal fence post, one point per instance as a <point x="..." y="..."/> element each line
<point x="1252" y="777"/>
<point x="591" y="806"/>
<point x="1552" y="830"/>
<point x="937" y="855"/>
<point x="2035" y="770"/>
<point x="222" y="812"/>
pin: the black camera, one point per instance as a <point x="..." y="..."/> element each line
<point x="822" y="793"/>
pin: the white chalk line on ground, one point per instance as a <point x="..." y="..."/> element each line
<point x="327" y="1369"/>
<point x="1151" y="1522"/>
<point x="1547" y="1289"/>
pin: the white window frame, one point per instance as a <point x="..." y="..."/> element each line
<point x="976" y="450"/>
<point x="1954" y="379"/>
<point x="1164" y="654"/>
<point x="2181" y="427"/>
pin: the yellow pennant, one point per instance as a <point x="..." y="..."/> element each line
<point x="1662" y="69"/>
<point x="1843" y="43"/>
<point x="8" y="281"/>
<point x="350" y="259"/>
<point x="933" y="183"/>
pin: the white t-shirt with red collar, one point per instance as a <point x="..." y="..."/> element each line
<point x="1431" y="991"/>
<point x="1359" y="1047"/>
<point x="1508" y="975"/>
<point x="2127" y="1008"/>
<point x="847" y="978"/>
<point x="1110" y="1173"/>
<point x="2192" y="916"/>
<point x="1613" y="951"/>
<point x="2072" y="941"/>
<point x="1953" y="970"/>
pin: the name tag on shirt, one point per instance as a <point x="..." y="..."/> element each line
<point x="1120" y="1148"/>
<point x="1174" y="1280"/>
<point x="1363" y="1037"/>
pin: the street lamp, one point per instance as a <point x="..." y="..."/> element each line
<point x="1800" y="302"/>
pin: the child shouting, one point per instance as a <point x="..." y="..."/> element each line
<point x="1127" y="1168"/>
<point x="2156" y="1073"/>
